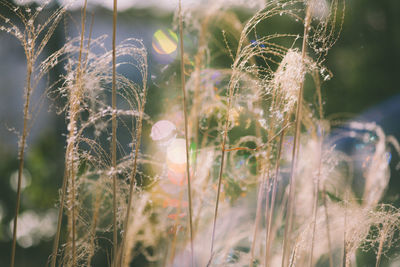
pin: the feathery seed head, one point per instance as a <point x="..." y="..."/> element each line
<point x="289" y="77"/>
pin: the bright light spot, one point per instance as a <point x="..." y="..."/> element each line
<point x="176" y="151"/>
<point x="25" y="180"/>
<point x="163" y="131"/>
<point x="34" y="227"/>
<point x="165" y="42"/>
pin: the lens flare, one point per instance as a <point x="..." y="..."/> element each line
<point x="165" y="42"/>
<point x="176" y="174"/>
<point x="176" y="151"/>
<point x="163" y="131"/>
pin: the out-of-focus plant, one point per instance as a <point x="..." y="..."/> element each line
<point x="242" y="163"/>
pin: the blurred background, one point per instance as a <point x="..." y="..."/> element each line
<point x="365" y="63"/>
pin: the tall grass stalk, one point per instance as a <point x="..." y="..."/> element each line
<point x="33" y="47"/>
<point x="176" y="229"/>
<point x="328" y="231"/>
<point x="383" y="234"/>
<point x="59" y="220"/>
<point x="315" y="206"/>
<point x="81" y="69"/>
<point x="75" y="114"/>
<point x="268" y="225"/>
<point x="135" y="152"/>
<point x="295" y="150"/>
<point x="221" y="169"/>
<point x="231" y="87"/>
<point x="114" y="134"/>
<point x="257" y="220"/>
<point x="21" y="154"/>
<point x="74" y="107"/>
<point x="320" y="135"/>
<point x="344" y="260"/>
<point x="185" y="112"/>
<point x="94" y="222"/>
<point x="265" y="183"/>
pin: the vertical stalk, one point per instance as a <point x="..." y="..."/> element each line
<point x="315" y="205"/>
<point x="221" y="169"/>
<point x="257" y="221"/>
<point x="69" y="161"/>
<point x="383" y="233"/>
<point x="344" y="235"/>
<point x="21" y="154"/>
<point x="114" y="134"/>
<point x="133" y="175"/>
<point x="316" y="184"/>
<point x="186" y="132"/>
<point x="197" y="85"/>
<point x="224" y="137"/>
<point x="176" y="224"/>
<point x="72" y="172"/>
<point x="293" y="167"/>
<point x="74" y="117"/>
<point x="135" y="152"/>
<point x="273" y="197"/>
<point x="59" y="220"/>
<point x="327" y="227"/>
<point x="94" y="226"/>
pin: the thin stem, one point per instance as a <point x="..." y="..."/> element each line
<point x="221" y="171"/>
<point x="135" y="152"/>
<point x="131" y="186"/>
<point x="94" y="226"/>
<point x="257" y="221"/>
<point x="69" y="172"/>
<point x="223" y="144"/>
<point x="267" y="208"/>
<point x="316" y="190"/>
<point x="273" y="198"/>
<point x="344" y="234"/>
<point x="176" y="224"/>
<point x="21" y="153"/>
<point x="74" y="118"/>
<point x="264" y="175"/>
<point x="186" y="132"/>
<point x="197" y="85"/>
<point x="59" y="220"/>
<point x="293" y="167"/>
<point x="380" y="248"/>
<point x="327" y="227"/>
<point x="72" y="172"/>
<point x="316" y="184"/>
<point x="114" y="134"/>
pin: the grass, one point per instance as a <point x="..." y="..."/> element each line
<point x="234" y="159"/>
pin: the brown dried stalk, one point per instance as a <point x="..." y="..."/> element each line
<point x="186" y="132"/>
<point x="114" y="134"/>
<point x="295" y="150"/>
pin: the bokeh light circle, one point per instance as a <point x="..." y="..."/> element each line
<point x="165" y="42"/>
